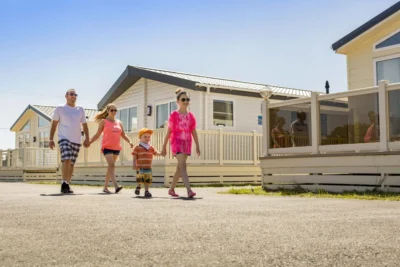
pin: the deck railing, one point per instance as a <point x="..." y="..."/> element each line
<point x="216" y="146"/>
<point x="354" y="121"/>
<point x="29" y="158"/>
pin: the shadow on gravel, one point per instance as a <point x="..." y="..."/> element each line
<point x="143" y="197"/>
<point x="59" y="195"/>
<point x="178" y="198"/>
<point x="187" y="198"/>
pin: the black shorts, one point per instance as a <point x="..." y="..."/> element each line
<point x="107" y="151"/>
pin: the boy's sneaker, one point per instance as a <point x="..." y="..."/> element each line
<point x="147" y="194"/>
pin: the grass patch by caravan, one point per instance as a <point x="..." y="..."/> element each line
<point x="301" y="192"/>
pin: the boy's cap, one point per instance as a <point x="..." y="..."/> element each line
<point x="145" y="130"/>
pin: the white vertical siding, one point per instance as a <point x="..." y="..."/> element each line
<point x="245" y="112"/>
<point x="161" y="92"/>
<point x="246" y="109"/>
<point x="134" y="96"/>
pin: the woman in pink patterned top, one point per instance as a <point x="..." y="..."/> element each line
<point x="181" y="128"/>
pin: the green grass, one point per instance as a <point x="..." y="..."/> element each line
<point x="301" y="192"/>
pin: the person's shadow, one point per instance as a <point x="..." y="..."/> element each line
<point x="175" y="198"/>
<point x="59" y="195"/>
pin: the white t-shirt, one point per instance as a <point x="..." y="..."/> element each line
<point x="70" y="119"/>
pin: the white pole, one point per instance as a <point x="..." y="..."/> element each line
<point x="383" y="116"/>
<point x="315" y="123"/>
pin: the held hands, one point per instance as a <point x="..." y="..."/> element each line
<point x="197" y="151"/>
<point x="164" y="151"/>
<point x="86" y="143"/>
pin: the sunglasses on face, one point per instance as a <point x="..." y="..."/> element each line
<point x="185" y="99"/>
<point x="113" y="110"/>
<point x="72" y="94"/>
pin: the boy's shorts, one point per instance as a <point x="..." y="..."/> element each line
<point x="144" y="176"/>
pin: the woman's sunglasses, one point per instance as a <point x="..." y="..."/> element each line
<point x="185" y="99"/>
<point x="113" y="110"/>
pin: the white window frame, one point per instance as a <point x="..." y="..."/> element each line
<point x="48" y="126"/>
<point x="30" y="126"/>
<point x="383" y="39"/>
<point x="137" y="112"/>
<point x="233" y="100"/>
<point x="376" y="60"/>
<point x="161" y="102"/>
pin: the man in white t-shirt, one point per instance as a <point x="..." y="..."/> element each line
<point x="69" y="118"/>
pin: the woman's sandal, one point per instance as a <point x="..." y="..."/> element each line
<point x="137" y="190"/>
<point x="172" y="193"/>
<point x="118" y="189"/>
<point x="147" y="194"/>
<point x="191" y="194"/>
<point x="106" y="191"/>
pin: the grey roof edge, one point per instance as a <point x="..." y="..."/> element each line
<point x="366" y="26"/>
<point x="20" y="116"/>
<point x="32" y="107"/>
<point x="36" y="110"/>
<point x="202" y="76"/>
<point x="225" y="79"/>
<point x="132" y="74"/>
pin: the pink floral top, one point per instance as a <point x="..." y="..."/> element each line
<point x="181" y="126"/>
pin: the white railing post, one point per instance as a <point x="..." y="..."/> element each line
<point x="24" y="157"/>
<point x="255" y="156"/>
<point x="221" y="147"/>
<point x="85" y="155"/>
<point x="315" y="123"/>
<point x="1" y="156"/>
<point x="44" y="157"/>
<point x="8" y="158"/>
<point x="383" y="116"/>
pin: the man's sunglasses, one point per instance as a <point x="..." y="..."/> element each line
<point x="185" y="99"/>
<point x="73" y="94"/>
<point x="113" y="110"/>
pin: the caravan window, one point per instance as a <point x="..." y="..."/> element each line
<point x="223" y="113"/>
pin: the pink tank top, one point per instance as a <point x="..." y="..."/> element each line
<point x="111" y="135"/>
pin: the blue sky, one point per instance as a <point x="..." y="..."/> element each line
<point x="47" y="47"/>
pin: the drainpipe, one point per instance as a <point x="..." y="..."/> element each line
<point x="265" y="94"/>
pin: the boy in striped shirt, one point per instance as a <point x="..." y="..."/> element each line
<point x="142" y="158"/>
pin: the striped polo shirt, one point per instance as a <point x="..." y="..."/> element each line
<point x="144" y="157"/>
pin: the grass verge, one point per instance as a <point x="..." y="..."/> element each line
<point x="301" y="192"/>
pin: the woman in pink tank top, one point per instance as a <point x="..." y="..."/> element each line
<point x="112" y="130"/>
